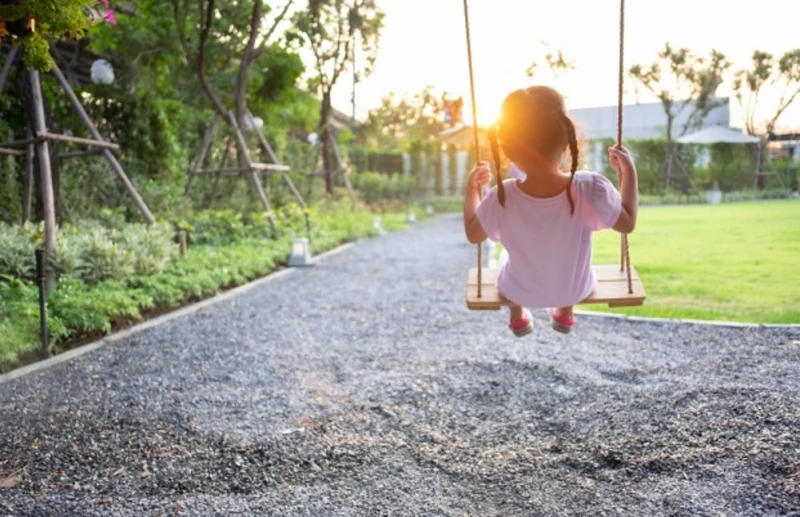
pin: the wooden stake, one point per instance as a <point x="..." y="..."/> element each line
<point x="201" y="156"/>
<point x="183" y="242"/>
<point x="46" y="183"/>
<point x="342" y="168"/>
<point x="262" y="197"/>
<point x="77" y="140"/>
<point x="214" y="186"/>
<point x="27" y="196"/>
<point x="272" y="156"/>
<point x="112" y="160"/>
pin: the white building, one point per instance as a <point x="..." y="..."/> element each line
<point x="641" y="121"/>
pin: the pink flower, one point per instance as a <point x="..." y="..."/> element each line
<point x="109" y="15"/>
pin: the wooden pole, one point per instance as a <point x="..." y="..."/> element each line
<point x="27" y="196"/>
<point x="112" y="160"/>
<point x="215" y="185"/>
<point x="12" y="56"/>
<point x="76" y="140"/>
<point x="342" y="168"/>
<point x="201" y="156"/>
<point x="274" y="158"/>
<point x="262" y="197"/>
<point x="45" y="182"/>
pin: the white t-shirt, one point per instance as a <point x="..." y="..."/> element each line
<point x="549" y="251"/>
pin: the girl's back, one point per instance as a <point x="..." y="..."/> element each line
<point x="549" y="249"/>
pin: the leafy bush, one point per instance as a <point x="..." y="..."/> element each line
<point x="100" y="258"/>
<point x="215" y="226"/>
<point x="17" y="247"/>
<point x="19" y="320"/>
<point x="150" y="247"/>
<point x="376" y="188"/>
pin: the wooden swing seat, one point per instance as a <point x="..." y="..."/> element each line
<point x="612" y="289"/>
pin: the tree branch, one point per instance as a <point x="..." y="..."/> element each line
<point x="247" y="61"/>
<point x="271" y="31"/>
<point x="205" y="28"/>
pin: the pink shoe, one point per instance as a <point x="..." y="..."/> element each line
<point x="522" y="326"/>
<point x="559" y="323"/>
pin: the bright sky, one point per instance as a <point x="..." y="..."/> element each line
<point x="423" y="44"/>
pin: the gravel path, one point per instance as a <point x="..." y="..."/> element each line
<point x="363" y="386"/>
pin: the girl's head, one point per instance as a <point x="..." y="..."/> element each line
<point x="534" y="131"/>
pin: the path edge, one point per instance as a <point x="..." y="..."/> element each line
<point x="164" y="318"/>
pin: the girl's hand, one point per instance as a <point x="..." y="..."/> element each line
<point x="621" y="161"/>
<point x="480" y="176"/>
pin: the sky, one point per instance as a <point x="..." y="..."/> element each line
<point x="423" y="44"/>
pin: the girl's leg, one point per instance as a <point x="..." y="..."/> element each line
<point x="520" y="321"/>
<point x="562" y="319"/>
<point x="565" y="312"/>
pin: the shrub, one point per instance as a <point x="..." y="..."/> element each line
<point x="17" y="247"/>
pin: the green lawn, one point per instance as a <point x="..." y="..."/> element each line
<point x="732" y="262"/>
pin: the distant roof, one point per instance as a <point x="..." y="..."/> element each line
<point x="717" y="135"/>
<point x="640" y="121"/>
<point x="460" y="135"/>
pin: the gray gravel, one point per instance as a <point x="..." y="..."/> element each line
<point x="363" y="386"/>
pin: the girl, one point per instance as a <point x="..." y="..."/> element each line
<point x="545" y="218"/>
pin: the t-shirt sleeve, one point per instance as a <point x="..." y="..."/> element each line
<point x="606" y="203"/>
<point x="489" y="214"/>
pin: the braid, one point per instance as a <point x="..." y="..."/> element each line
<point x="572" y="140"/>
<point x="501" y="191"/>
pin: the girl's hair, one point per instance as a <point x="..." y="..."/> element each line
<point x="533" y="126"/>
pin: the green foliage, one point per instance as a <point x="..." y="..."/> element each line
<point x="32" y="22"/>
<point x="385" y="162"/>
<point x="731" y="166"/>
<point x="17" y="247"/>
<point x="85" y="309"/>
<point x="93" y="253"/>
<point x="376" y="188"/>
<point x="19" y="320"/>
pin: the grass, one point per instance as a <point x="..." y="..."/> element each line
<point x="727" y="262"/>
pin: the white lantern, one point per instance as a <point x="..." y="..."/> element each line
<point x="102" y="72"/>
<point x="253" y="123"/>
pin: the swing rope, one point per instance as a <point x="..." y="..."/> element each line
<point x="625" y="254"/>
<point x="625" y="257"/>
<point x="476" y="139"/>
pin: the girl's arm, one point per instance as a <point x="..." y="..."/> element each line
<point x="478" y="178"/>
<point x="622" y="162"/>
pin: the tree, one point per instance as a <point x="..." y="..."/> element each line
<point x="681" y="80"/>
<point x="219" y="30"/>
<point x="331" y="29"/>
<point x="398" y="123"/>
<point x="556" y="62"/>
<point x="750" y="85"/>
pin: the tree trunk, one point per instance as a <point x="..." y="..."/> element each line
<point x="55" y="169"/>
<point x="45" y="182"/>
<point x="328" y="158"/>
<point x="670" y="153"/>
<point x="760" y="181"/>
